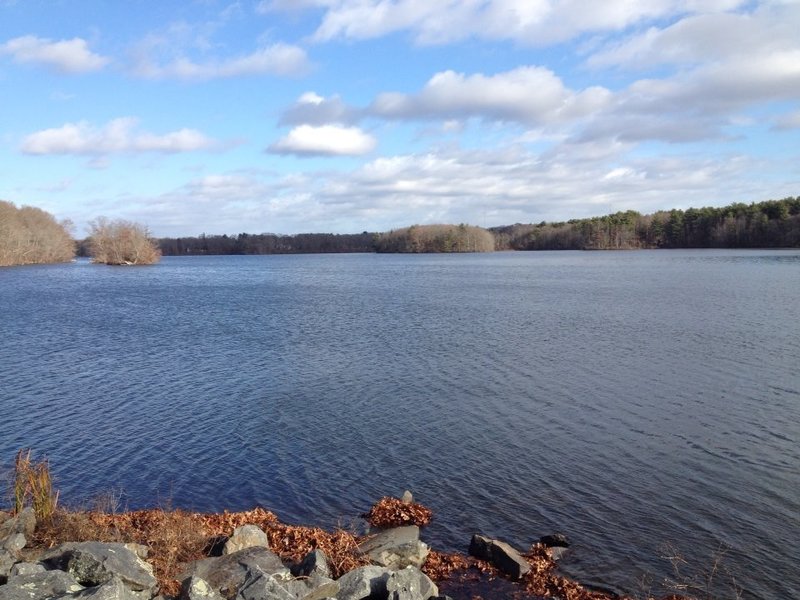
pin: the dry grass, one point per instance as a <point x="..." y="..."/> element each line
<point x="392" y="512"/>
<point x="33" y="486"/>
<point x="175" y="538"/>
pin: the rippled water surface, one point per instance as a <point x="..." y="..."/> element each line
<point x="628" y="399"/>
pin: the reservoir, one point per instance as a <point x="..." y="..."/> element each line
<point x="643" y="403"/>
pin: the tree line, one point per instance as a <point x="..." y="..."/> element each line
<point x="268" y="243"/>
<point x="417" y="238"/>
<point x="29" y="235"/>
<point x="768" y="224"/>
<point x="436" y="238"/>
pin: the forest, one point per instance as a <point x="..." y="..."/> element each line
<point x="29" y="235"/>
<point x="436" y="238"/>
<point x="768" y="224"/>
<point x="268" y="243"/>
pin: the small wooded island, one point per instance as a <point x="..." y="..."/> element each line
<point x="30" y="235"/>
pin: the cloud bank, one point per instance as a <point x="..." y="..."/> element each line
<point x="116" y="137"/>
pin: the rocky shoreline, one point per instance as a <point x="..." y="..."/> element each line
<point x="174" y="555"/>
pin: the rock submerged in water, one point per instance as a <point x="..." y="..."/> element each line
<point x="556" y="543"/>
<point x="554" y="540"/>
<point x="500" y="554"/>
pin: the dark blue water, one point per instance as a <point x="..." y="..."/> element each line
<point x="628" y="399"/>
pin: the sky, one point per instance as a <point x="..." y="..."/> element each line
<point x="343" y="116"/>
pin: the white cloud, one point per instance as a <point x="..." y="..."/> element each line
<point x="229" y="187"/>
<point x="531" y="95"/>
<point x="510" y="185"/>
<point x="65" y="56"/>
<point x="706" y="38"/>
<point x="729" y="67"/>
<point x="528" y="22"/>
<point x="324" y="140"/>
<point x="484" y="187"/>
<point x="313" y="109"/>
<point x="277" y="59"/>
<point x="117" y="136"/>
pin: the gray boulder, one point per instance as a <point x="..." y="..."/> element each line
<point x="262" y="586"/>
<point x="316" y="573"/>
<point x="13" y="543"/>
<point x="396" y="548"/>
<point x="554" y="540"/>
<point x="246" y="536"/>
<point x="500" y="554"/>
<point x="139" y="550"/>
<point x="362" y="583"/>
<point x="40" y="586"/>
<point x="113" y="589"/>
<point x="410" y="584"/>
<point x="26" y="568"/>
<point x="23" y="522"/>
<point x="314" y="564"/>
<point x="556" y="543"/>
<point x="226" y="574"/>
<point x="95" y="563"/>
<point x="7" y="560"/>
<point x="196" y="588"/>
<point x="10" y="547"/>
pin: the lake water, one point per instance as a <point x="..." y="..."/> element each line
<point x="628" y="399"/>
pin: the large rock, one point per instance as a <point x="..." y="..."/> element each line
<point x="396" y="548"/>
<point x="556" y="543"/>
<point x="40" y="586"/>
<point x="23" y="522"/>
<point x="554" y="540"/>
<point x="10" y="547"/>
<point x="500" y="554"/>
<point x="7" y="560"/>
<point x="315" y="564"/>
<point x="261" y="586"/>
<point x="113" y="589"/>
<point x="410" y="584"/>
<point x="246" y="536"/>
<point x="197" y="588"/>
<point x="95" y="563"/>
<point x="315" y="571"/>
<point x="226" y="574"/>
<point x="362" y="583"/>
<point x="26" y="568"/>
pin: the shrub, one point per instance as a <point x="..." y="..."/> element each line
<point x="33" y="486"/>
<point x="121" y="243"/>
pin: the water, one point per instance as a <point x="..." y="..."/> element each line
<point x="630" y="400"/>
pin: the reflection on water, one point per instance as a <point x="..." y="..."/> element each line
<point x="628" y="399"/>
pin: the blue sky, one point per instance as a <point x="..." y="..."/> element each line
<point x="290" y="116"/>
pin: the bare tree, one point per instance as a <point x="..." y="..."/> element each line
<point x="121" y="243"/>
<point x="29" y="235"/>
